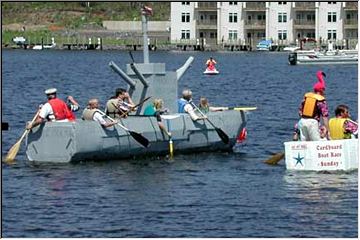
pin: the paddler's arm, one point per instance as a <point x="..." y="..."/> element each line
<point x="215" y="109"/>
<point x="130" y="101"/>
<point x="39" y="120"/>
<point x="189" y="109"/>
<point x="326" y="124"/>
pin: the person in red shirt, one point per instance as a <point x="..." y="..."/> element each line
<point x="210" y="64"/>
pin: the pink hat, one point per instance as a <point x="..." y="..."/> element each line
<point x="320" y="85"/>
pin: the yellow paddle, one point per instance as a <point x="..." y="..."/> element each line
<point x="274" y="159"/>
<point x="171" y="144"/>
<point x="15" y="148"/>
<point x="243" y="108"/>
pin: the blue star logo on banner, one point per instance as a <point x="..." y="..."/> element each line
<point x="298" y="159"/>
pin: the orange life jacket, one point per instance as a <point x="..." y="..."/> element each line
<point x="309" y="108"/>
<point x="61" y="110"/>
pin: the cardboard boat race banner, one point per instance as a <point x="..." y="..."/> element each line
<point x="322" y="155"/>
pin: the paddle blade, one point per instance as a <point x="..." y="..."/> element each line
<point x="273" y="160"/>
<point x="224" y="137"/>
<point x="139" y="138"/>
<point x="13" y="152"/>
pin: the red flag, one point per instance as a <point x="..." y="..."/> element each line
<point x="147" y="11"/>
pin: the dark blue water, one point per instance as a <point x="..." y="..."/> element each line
<point x="199" y="195"/>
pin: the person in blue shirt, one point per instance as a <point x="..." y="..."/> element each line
<point x="184" y="105"/>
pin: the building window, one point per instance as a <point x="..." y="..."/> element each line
<point x="331" y="16"/>
<point x="331" y="2"/>
<point x="213" y="34"/>
<point x="282" y="34"/>
<point x="261" y="17"/>
<point x="232" y="34"/>
<point x="282" y="3"/>
<point x="282" y="17"/>
<point x="232" y="3"/>
<point x="233" y="17"/>
<point x="185" y="17"/>
<point x="185" y="34"/>
<point x="332" y="34"/>
<point x="310" y="17"/>
<point x="185" y="3"/>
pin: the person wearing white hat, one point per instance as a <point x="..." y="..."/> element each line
<point x="54" y="110"/>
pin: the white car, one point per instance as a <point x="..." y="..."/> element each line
<point x="19" y="40"/>
<point x="291" y="48"/>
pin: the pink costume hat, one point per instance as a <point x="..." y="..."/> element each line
<point x="320" y="85"/>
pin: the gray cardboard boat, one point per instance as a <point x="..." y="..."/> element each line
<point x="87" y="140"/>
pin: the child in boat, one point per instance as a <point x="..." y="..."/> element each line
<point x="156" y="109"/>
<point x="205" y="107"/>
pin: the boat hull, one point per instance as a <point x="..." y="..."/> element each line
<point x="335" y="155"/>
<point x="209" y="72"/>
<point x="59" y="142"/>
<point x="314" y="57"/>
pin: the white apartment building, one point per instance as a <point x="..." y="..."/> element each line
<point x="249" y="22"/>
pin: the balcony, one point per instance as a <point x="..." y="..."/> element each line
<point x="206" y="6"/>
<point x="304" y="6"/>
<point x="255" y="24"/>
<point x="304" y="24"/>
<point x="351" y="6"/>
<point x="206" y="24"/>
<point x="255" y="6"/>
<point x="351" y="23"/>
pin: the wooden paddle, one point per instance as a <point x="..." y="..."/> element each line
<point x="224" y="137"/>
<point x="137" y="136"/>
<point x="15" y="148"/>
<point x="274" y="159"/>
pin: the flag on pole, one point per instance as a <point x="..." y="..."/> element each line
<point x="147" y="11"/>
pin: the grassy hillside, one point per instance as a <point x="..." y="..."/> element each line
<point x="75" y="15"/>
<point x="45" y="19"/>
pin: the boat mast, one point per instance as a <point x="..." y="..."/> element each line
<point x="144" y="14"/>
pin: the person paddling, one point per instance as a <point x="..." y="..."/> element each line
<point x="156" y="109"/>
<point x="205" y="107"/>
<point x="184" y="105"/>
<point x="91" y="113"/>
<point x="210" y="63"/>
<point x="54" y="110"/>
<point x="119" y="104"/>
<point x="341" y="126"/>
<point x="312" y="109"/>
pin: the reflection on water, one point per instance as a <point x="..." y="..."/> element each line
<point x="320" y="198"/>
